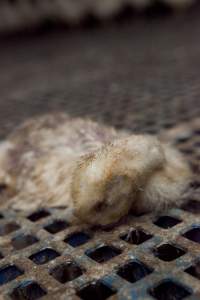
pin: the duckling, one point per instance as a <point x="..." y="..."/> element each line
<point x="99" y="173"/>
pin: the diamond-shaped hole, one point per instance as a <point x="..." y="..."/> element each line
<point x="77" y="238"/>
<point x="9" y="273"/>
<point x="1" y="216"/>
<point x="40" y="214"/>
<point x="168" y="252"/>
<point x="136" y="237"/>
<point x="192" y="206"/>
<point x="1" y="255"/>
<point x="66" y="272"/>
<point x="169" y="290"/>
<point x="44" y="256"/>
<point x="193" y="235"/>
<point x="103" y="253"/>
<point x="23" y="240"/>
<point x="167" y="222"/>
<point x="95" y="290"/>
<point x="134" y="271"/>
<point x="56" y="226"/>
<point x="28" y="290"/>
<point x="8" y="228"/>
<point x="194" y="270"/>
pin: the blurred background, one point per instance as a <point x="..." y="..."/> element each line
<point x="133" y="64"/>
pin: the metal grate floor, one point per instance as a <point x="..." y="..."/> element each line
<point x="147" y="257"/>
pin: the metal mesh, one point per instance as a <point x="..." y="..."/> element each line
<point x="147" y="257"/>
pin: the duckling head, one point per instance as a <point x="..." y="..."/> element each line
<point x="105" y="183"/>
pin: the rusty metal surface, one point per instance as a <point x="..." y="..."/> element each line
<point x="147" y="257"/>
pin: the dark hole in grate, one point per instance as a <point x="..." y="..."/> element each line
<point x="197" y="144"/>
<point x="166" y="222"/>
<point x="9" y="273"/>
<point x="56" y="226"/>
<point x="134" y="271"/>
<point x="194" y="270"/>
<point x="196" y="131"/>
<point x="77" y="238"/>
<point x="168" y="125"/>
<point x="40" y="214"/>
<point x="1" y="255"/>
<point x="182" y="140"/>
<point x="44" y="256"/>
<point x="66" y="272"/>
<point x="195" y="168"/>
<point x="193" y="235"/>
<point x="169" y="290"/>
<point x="8" y="228"/>
<point x="28" y="290"/>
<point x="168" y="252"/>
<point x="1" y="216"/>
<point x="103" y="253"/>
<point x="136" y="236"/>
<point x="97" y="291"/>
<point x="192" y="206"/>
<point x="23" y="240"/>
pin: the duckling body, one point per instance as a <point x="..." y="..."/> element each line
<point x="41" y="153"/>
<point x="99" y="172"/>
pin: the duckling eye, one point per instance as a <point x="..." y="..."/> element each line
<point x="100" y="206"/>
<point x="3" y="187"/>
